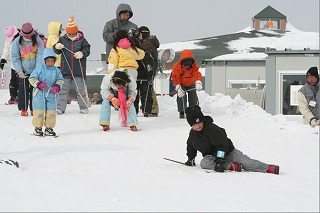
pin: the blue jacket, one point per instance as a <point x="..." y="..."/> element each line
<point x="50" y="75"/>
<point x="24" y="56"/>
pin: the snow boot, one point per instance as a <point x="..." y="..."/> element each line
<point x="181" y="115"/>
<point x="133" y="128"/>
<point x="38" y="131"/>
<point x="106" y="127"/>
<point x="24" y="112"/>
<point x="236" y="167"/>
<point x="49" y="132"/>
<point x="274" y="169"/>
<point x="13" y="100"/>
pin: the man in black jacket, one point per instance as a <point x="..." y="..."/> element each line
<point x="217" y="149"/>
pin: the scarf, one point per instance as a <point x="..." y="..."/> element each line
<point x="123" y="106"/>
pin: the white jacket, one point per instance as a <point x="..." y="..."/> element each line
<point x="6" y="53"/>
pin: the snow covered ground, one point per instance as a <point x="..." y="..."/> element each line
<point x="86" y="169"/>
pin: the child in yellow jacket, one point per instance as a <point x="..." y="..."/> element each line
<point x="124" y="54"/>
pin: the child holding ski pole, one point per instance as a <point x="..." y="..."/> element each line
<point x="118" y="89"/>
<point x="47" y="81"/>
<point x="74" y="49"/>
<point x="187" y="79"/>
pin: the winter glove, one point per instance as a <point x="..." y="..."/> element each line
<point x="21" y="75"/>
<point x="129" y="102"/>
<point x="78" y="55"/>
<point x="55" y="89"/>
<point x="59" y="46"/>
<point x="42" y="85"/>
<point x="219" y="167"/>
<point x="180" y="91"/>
<point x="190" y="163"/>
<point x="198" y="85"/>
<point x="314" y="122"/>
<point x="114" y="101"/>
<point x="2" y="63"/>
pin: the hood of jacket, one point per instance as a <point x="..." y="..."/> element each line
<point x="123" y="7"/>
<point x="186" y="54"/>
<point x="47" y="52"/>
<point x="154" y="40"/>
<point x="54" y="28"/>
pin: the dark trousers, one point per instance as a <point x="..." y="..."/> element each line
<point x="14" y="84"/>
<point x="190" y="96"/>
<point x="24" y="94"/>
<point x="145" y="95"/>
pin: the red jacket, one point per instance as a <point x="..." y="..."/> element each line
<point x="183" y="76"/>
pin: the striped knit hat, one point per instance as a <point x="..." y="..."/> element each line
<point x="72" y="27"/>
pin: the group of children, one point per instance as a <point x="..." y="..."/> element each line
<point x="41" y="72"/>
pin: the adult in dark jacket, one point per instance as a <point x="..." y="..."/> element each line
<point x="151" y="43"/>
<point x="121" y="22"/>
<point x="217" y="149"/>
<point x="74" y="49"/>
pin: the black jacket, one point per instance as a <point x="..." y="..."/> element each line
<point x="68" y="61"/>
<point x="211" y="139"/>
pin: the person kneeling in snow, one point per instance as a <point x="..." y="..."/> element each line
<point x="47" y="81"/>
<point x="119" y="89"/>
<point x="217" y="149"/>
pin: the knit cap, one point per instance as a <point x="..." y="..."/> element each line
<point x="72" y="27"/>
<point x="313" y="71"/>
<point x="10" y="32"/>
<point x="194" y="115"/>
<point x="27" y="30"/>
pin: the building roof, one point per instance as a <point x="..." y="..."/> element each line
<point x="269" y="12"/>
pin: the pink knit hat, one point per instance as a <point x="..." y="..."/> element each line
<point x="27" y="30"/>
<point x="10" y="32"/>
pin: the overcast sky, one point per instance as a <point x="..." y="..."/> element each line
<point x="170" y="20"/>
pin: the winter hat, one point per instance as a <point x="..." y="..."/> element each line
<point x="27" y="30"/>
<point x="313" y="71"/>
<point x="10" y="32"/>
<point x="194" y="115"/>
<point x="144" y="31"/>
<point x="72" y="27"/>
<point x="120" y="77"/>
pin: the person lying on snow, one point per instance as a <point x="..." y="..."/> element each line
<point x="217" y="149"/>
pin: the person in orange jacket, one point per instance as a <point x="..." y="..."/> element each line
<point x="186" y="79"/>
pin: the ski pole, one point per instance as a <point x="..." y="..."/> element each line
<point x="174" y="161"/>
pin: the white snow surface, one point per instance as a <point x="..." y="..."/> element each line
<point x="86" y="169"/>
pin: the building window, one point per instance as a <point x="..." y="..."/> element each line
<point x="246" y="84"/>
<point x="269" y="24"/>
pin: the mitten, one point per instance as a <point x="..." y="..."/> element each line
<point x="78" y="55"/>
<point x="59" y="46"/>
<point x="42" y="85"/>
<point x="314" y="122"/>
<point x="198" y="85"/>
<point x="2" y="63"/>
<point x="114" y="101"/>
<point x="219" y="167"/>
<point x="180" y="91"/>
<point x="129" y="102"/>
<point x="21" y="75"/>
<point x="190" y="162"/>
<point x="55" y="89"/>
